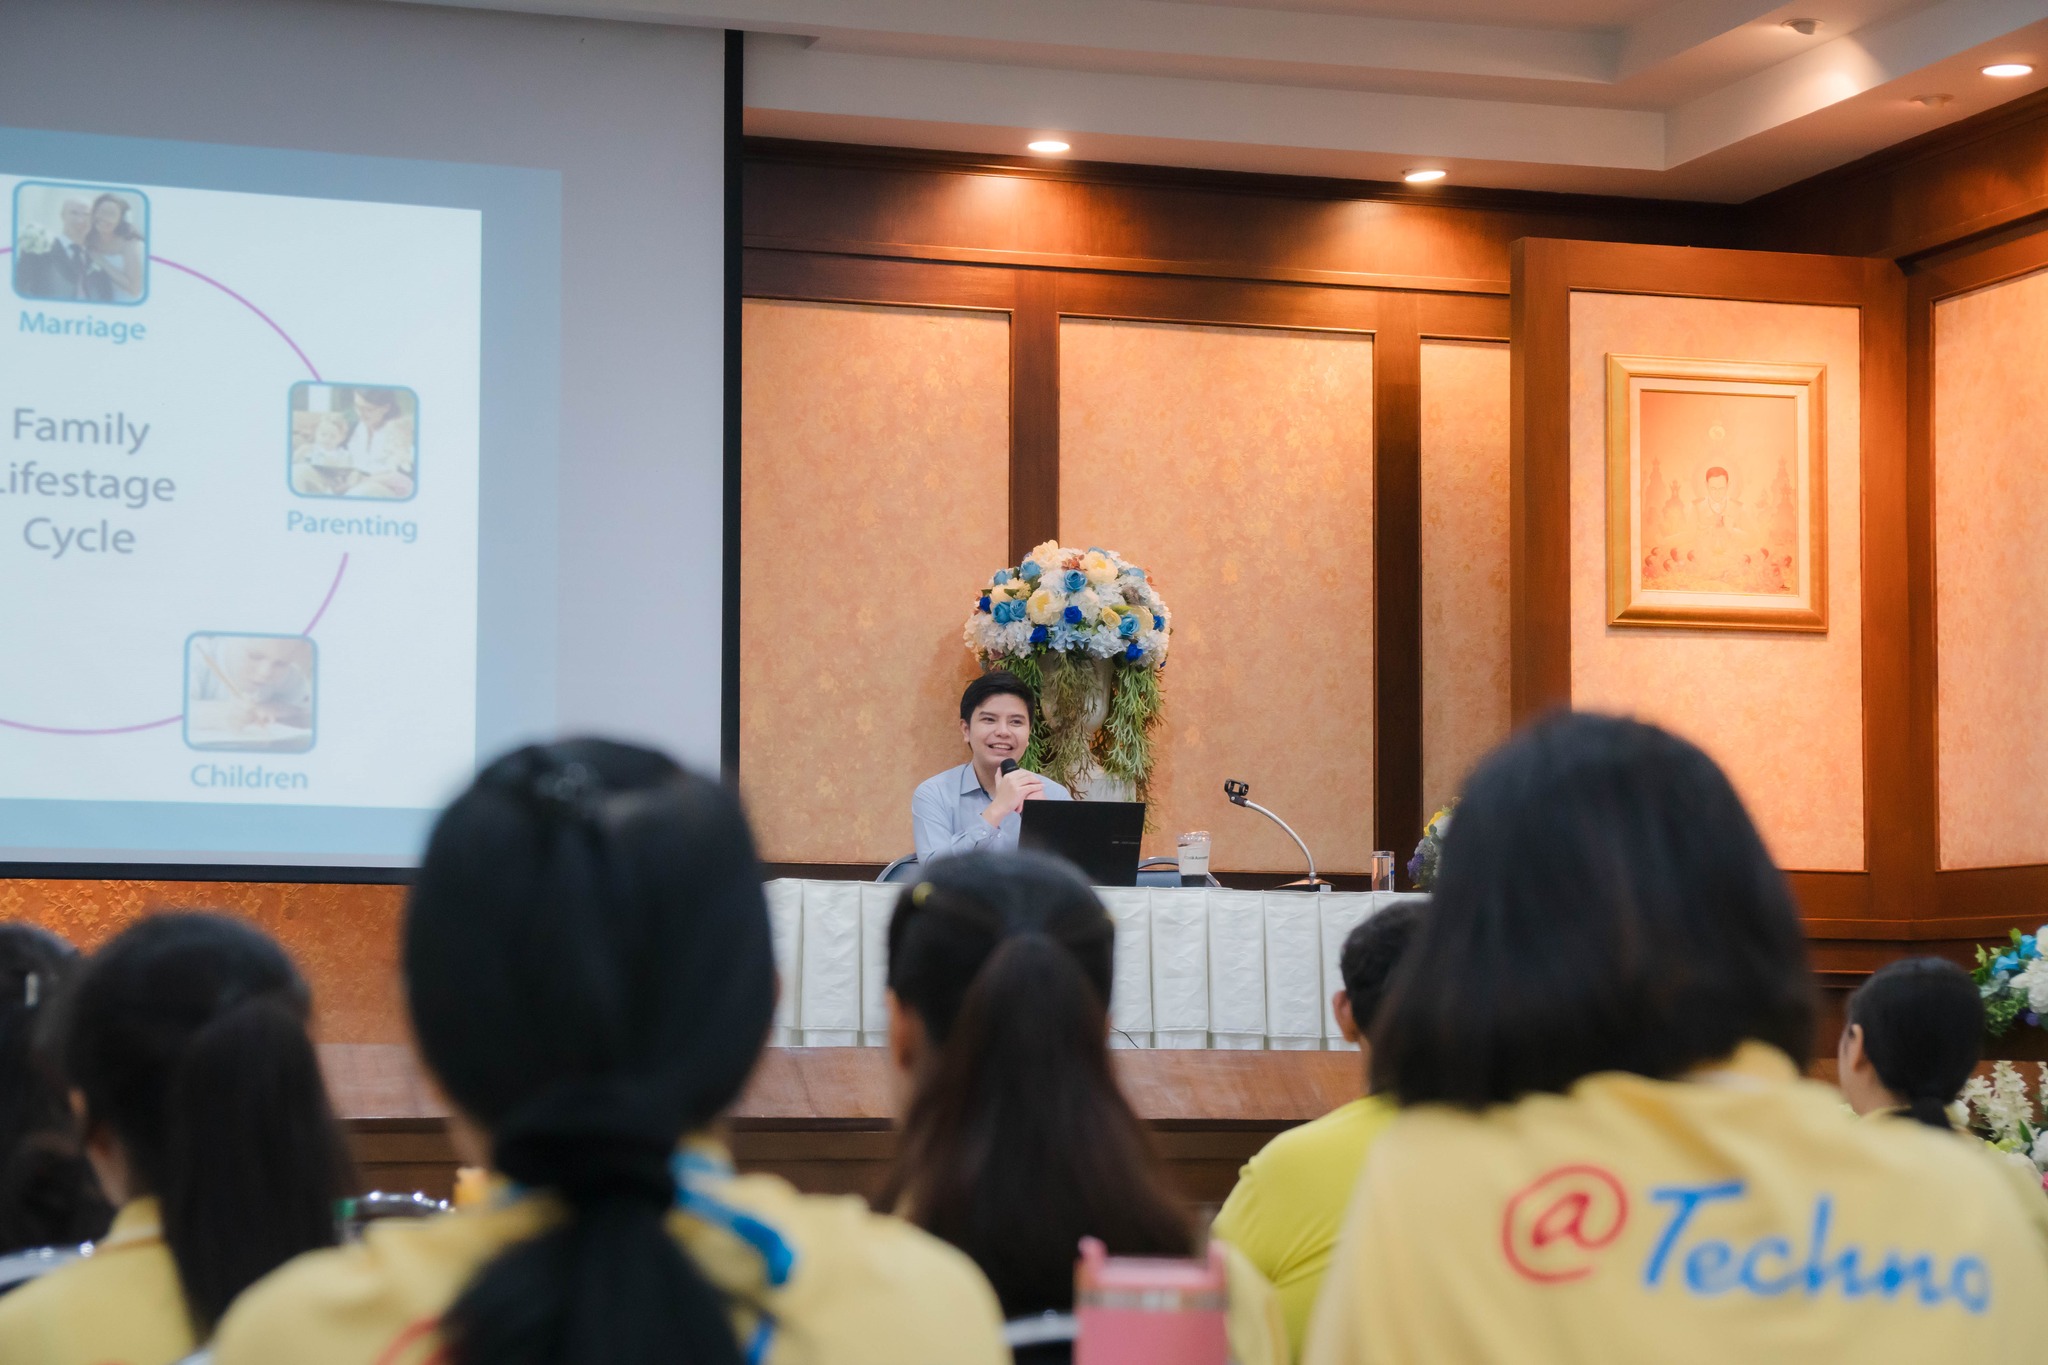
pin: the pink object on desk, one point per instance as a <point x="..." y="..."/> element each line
<point x="1133" y="1310"/>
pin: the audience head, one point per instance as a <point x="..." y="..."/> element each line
<point x="1017" y="1142"/>
<point x="1372" y="950"/>
<point x="588" y="964"/>
<point x="1605" y="904"/>
<point x="1915" y="1032"/>
<point x="185" y="1035"/>
<point x="48" y="1194"/>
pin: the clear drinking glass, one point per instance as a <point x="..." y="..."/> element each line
<point x="1194" y="858"/>
<point x="1383" y="869"/>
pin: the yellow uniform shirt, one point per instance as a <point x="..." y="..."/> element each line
<point x="812" y="1279"/>
<point x="120" y="1306"/>
<point x="1289" y="1202"/>
<point x="1739" y="1215"/>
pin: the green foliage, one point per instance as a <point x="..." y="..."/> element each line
<point x="1124" y="746"/>
<point x="1061" y="733"/>
<point x="2000" y="1011"/>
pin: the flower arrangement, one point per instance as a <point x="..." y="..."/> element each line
<point x="33" y="239"/>
<point x="2004" y="1114"/>
<point x="2013" y="980"/>
<point x="1085" y="628"/>
<point x="1429" y="853"/>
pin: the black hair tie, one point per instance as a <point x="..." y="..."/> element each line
<point x="590" y="1142"/>
<point x="591" y="1167"/>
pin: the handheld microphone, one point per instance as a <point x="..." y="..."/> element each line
<point x="1006" y="767"/>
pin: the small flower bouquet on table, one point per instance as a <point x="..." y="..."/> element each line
<point x="2014" y="982"/>
<point x="1089" y="632"/>
<point x="1422" y="868"/>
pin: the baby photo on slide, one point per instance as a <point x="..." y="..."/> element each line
<point x="354" y="441"/>
<point x="80" y="243"/>
<point x="249" y="693"/>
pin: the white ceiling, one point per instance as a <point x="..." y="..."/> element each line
<point x="1699" y="99"/>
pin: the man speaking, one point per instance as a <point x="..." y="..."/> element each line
<point x="980" y="804"/>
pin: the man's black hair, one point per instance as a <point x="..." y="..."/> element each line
<point x="999" y="682"/>
<point x="1371" y="953"/>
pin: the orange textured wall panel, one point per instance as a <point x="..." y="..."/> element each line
<point x="874" y="501"/>
<point x="1991" y="610"/>
<point x="1235" y="464"/>
<point x="1783" y="714"/>
<point x="344" y="938"/>
<point x="1465" y="642"/>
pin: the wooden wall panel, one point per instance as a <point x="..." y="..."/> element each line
<point x="1974" y="177"/>
<point x="868" y="201"/>
<point x="1865" y="912"/>
<point x="1465" y="644"/>
<point x="1990" y="391"/>
<point x="1236" y="465"/>
<point x="874" y="492"/>
<point x="1782" y="714"/>
<point x="344" y="938"/>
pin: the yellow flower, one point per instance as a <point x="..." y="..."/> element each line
<point x="1045" y="608"/>
<point x="1097" y="566"/>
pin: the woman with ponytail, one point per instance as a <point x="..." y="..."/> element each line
<point x="1915" y="1032"/>
<point x="588" y="966"/>
<point x="184" y="1042"/>
<point x="1017" y="1142"/>
<point x="48" y="1194"/>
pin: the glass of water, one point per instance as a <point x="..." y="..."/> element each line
<point x="1194" y="858"/>
<point x="1383" y="869"/>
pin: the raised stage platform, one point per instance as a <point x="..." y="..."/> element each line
<point x="823" y="1117"/>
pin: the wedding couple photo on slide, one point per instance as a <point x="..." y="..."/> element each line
<point x="80" y="243"/>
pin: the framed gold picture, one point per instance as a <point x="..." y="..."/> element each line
<point x="1716" y="494"/>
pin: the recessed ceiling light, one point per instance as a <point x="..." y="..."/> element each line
<point x="1423" y="175"/>
<point x="1047" y="144"/>
<point x="2009" y="69"/>
<point x="1805" y="28"/>
<point x="1931" y="101"/>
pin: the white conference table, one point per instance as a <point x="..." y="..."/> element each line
<point x="1194" y="967"/>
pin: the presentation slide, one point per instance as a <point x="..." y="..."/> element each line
<point x="243" y="494"/>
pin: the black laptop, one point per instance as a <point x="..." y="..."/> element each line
<point x="1099" y="837"/>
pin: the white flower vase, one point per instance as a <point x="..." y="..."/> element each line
<point x="1094" y="784"/>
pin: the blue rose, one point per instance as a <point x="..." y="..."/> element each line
<point x="1126" y="626"/>
<point x="1136" y="572"/>
<point x="1031" y="572"/>
<point x="2029" y="949"/>
<point x="1039" y="635"/>
<point x="1072" y="616"/>
<point x="1074" y="580"/>
<point x="1132" y="654"/>
<point x="983" y="605"/>
<point x="2007" y="962"/>
<point x="1002" y="577"/>
<point x="1158" y="621"/>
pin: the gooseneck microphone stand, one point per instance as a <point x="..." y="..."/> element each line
<point x="1240" y="794"/>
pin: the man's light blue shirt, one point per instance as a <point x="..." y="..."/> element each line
<point x="945" y="815"/>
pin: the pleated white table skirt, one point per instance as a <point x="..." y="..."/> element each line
<point x="1194" y="968"/>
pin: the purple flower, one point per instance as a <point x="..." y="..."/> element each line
<point x="2031" y="1018"/>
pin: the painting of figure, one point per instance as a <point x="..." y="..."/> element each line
<point x="1716" y="495"/>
